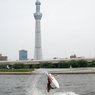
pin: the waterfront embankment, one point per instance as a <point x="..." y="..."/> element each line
<point x="56" y="71"/>
<point x="66" y="70"/>
<point x="16" y="71"/>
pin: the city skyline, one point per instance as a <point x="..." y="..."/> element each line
<point x="67" y="28"/>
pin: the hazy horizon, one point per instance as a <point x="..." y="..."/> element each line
<point x="67" y="28"/>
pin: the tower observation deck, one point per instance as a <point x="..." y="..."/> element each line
<point x="38" y="46"/>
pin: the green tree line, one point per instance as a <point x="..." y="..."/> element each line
<point x="2" y="66"/>
<point x="61" y="64"/>
<point x="64" y="64"/>
<point x="15" y="66"/>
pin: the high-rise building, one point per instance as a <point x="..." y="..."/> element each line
<point x="23" y="55"/>
<point x="38" y="46"/>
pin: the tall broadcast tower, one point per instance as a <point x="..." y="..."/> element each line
<point x="38" y="46"/>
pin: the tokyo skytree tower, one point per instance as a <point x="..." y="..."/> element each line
<point x="38" y="46"/>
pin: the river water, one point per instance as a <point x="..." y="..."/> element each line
<point x="70" y="84"/>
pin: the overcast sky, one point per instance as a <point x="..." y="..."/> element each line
<point x="67" y="27"/>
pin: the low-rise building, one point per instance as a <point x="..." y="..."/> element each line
<point x="73" y="56"/>
<point x="55" y="58"/>
<point x="3" y="58"/>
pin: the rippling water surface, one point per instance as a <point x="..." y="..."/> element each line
<point x="70" y="84"/>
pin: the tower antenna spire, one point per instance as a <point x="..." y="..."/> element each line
<point x="38" y="46"/>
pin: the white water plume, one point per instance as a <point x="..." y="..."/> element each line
<point x="64" y="93"/>
<point x="31" y="85"/>
<point x="36" y="85"/>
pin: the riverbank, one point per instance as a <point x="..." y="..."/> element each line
<point x="52" y="71"/>
<point x="88" y="70"/>
<point x="36" y="72"/>
<point x="15" y="73"/>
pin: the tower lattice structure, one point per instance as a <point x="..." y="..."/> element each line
<point x="38" y="46"/>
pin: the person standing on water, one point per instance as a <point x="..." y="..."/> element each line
<point x="49" y="87"/>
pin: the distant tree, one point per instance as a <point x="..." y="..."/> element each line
<point x="73" y="63"/>
<point x="63" y="64"/>
<point x="46" y="65"/>
<point x="82" y="63"/>
<point x="27" y="66"/>
<point x="54" y="66"/>
<point x="21" y="66"/>
<point x="2" y="66"/>
<point x="18" y="66"/>
<point x="35" y="66"/>
<point x="91" y="64"/>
